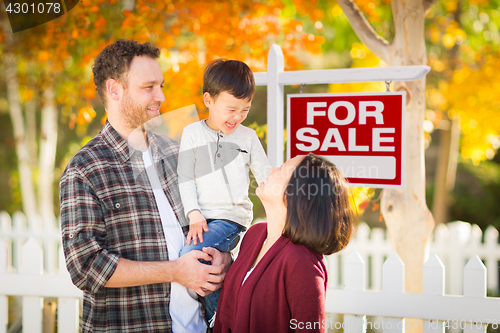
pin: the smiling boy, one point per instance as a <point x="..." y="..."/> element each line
<point x="214" y="161"/>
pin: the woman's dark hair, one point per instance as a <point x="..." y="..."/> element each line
<point x="114" y="62"/>
<point x="319" y="214"/>
<point x="231" y="76"/>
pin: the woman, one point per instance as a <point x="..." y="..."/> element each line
<point x="279" y="280"/>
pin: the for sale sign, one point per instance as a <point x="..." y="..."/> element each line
<point x="362" y="133"/>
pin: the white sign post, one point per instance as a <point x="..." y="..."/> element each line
<point x="276" y="78"/>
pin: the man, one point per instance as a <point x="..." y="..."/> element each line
<point x="121" y="212"/>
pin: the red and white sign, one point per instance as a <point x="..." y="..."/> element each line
<point x="362" y="133"/>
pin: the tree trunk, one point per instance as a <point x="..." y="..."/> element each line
<point x="48" y="144"/>
<point x="23" y="158"/>
<point x="405" y="211"/>
<point x="407" y="217"/>
<point x="31" y="132"/>
<point x="446" y="170"/>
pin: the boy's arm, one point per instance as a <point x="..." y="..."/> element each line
<point x="259" y="164"/>
<point x="187" y="188"/>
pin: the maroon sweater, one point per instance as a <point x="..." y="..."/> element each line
<point x="284" y="293"/>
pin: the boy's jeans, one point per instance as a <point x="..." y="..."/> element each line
<point x="223" y="236"/>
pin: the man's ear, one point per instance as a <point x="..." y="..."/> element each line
<point x="113" y="89"/>
<point x="207" y="99"/>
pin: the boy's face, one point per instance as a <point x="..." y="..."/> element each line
<point x="226" y="112"/>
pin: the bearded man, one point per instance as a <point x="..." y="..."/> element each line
<point x="122" y="218"/>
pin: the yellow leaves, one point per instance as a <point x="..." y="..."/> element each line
<point x="363" y="57"/>
<point x="451" y="5"/>
<point x="448" y="41"/>
<point x="361" y="197"/>
<point x="472" y="95"/>
<point x="336" y="10"/>
<point x="479" y="2"/>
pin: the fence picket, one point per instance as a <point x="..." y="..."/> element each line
<point x="459" y="233"/>
<point x="354" y="279"/>
<point x="393" y="280"/>
<point x="433" y="284"/>
<point x="377" y="258"/>
<point x="68" y="314"/>
<point x="475" y="286"/>
<point x="3" y="299"/>
<point x="50" y="246"/>
<point x="354" y="272"/>
<point x="19" y="227"/>
<point x="491" y="257"/>
<point x="32" y="305"/>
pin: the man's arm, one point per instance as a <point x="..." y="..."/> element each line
<point x="186" y="270"/>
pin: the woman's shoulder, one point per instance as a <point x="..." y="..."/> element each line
<point x="302" y="255"/>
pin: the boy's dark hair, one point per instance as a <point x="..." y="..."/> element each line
<point x="231" y="76"/>
<point x="114" y="62"/>
<point x="319" y="214"/>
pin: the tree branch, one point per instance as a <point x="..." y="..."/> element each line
<point x="428" y="4"/>
<point x="375" y="43"/>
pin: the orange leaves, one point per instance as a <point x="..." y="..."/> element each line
<point x="312" y="43"/>
<point x="100" y="23"/>
<point x="43" y="56"/>
<point x="368" y="7"/>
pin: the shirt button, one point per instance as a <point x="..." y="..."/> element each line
<point x="117" y="205"/>
<point x="220" y="146"/>
<point x="71" y="235"/>
<point x="218" y="155"/>
<point x="152" y="199"/>
<point x="221" y="136"/>
<point x="158" y="231"/>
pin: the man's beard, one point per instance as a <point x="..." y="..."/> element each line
<point x="136" y="116"/>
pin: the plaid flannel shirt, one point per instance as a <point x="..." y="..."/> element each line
<point x="108" y="211"/>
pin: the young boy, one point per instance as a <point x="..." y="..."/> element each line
<point x="214" y="160"/>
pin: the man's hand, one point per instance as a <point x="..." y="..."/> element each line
<point x="219" y="258"/>
<point x="197" y="225"/>
<point x="200" y="277"/>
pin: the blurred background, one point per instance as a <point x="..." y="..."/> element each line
<point x="49" y="107"/>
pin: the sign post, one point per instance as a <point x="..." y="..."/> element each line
<point x="362" y="133"/>
<point x="276" y="78"/>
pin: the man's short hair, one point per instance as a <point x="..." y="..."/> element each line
<point x="231" y="76"/>
<point x="319" y="212"/>
<point x="114" y="62"/>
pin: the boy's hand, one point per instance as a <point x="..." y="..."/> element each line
<point x="197" y="225"/>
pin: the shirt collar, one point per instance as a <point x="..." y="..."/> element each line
<point x="210" y="130"/>
<point x="122" y="149"/>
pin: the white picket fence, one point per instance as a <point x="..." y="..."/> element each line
<point x="455" y="243"/>
<point x="30" y="254"/>
<point x="472" y="312"/>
